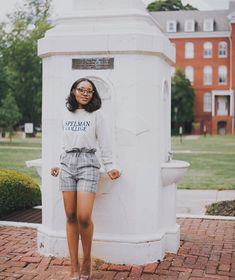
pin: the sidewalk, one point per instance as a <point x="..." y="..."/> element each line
<point x="207" y="252"/>
<point x="195" y="201"/>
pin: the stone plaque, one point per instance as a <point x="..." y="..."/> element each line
<point x="100" y="63"/>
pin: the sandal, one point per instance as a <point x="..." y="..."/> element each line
<point x="75" y="277"/>
<point x="85" y="277"/>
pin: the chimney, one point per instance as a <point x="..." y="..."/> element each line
<point x="232" y="5"/>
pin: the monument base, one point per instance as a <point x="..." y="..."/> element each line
<point x="118" y="249"/>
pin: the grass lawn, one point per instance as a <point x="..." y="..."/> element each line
<point x="14" y="154"/>
<point x="212" y="160"/>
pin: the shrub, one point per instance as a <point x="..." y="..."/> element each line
<point x="17" y="191"/>
<point x="222" y="208"/>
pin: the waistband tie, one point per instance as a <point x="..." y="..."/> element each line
<point x="78" y="151"/>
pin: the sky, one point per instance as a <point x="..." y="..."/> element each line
<point x="63" y="6"/>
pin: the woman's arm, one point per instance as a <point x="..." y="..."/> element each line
<point x="104" y="141"/>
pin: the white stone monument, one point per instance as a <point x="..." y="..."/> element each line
<point x="121" y="48"/>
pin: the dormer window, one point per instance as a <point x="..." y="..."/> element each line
<point x="189" y="25"/>
<point x="208" y="24"/>
<point x="171" y="26"/>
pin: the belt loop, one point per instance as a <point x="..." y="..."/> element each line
<point x="78" y="152"/>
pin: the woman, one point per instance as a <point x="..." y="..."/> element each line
<point x="83" y="125"/>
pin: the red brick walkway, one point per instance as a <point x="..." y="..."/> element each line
<point x="207" y="251"/>
<point x="24" y="216"/>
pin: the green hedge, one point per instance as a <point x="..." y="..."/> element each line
<point x="221" y="208"/>
<point x="17" y="191"/>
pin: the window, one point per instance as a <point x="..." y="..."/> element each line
<point x="208" y="24"/>
<point x="207" y="75"/>
<point x="207" y="102"/>
<point x="222" y="49"/>
<point x="189" y="73"/>
<point x="207" y="50"/>
<point x="222" y="75"/>
<point x="171" y="26"/>
<point x="189" y="50"/>
<point x="189" y="25"/>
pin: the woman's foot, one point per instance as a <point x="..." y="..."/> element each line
<point x="75" y="273"/>
<point x="86" y="270"/>
<point x="75" y="276"/>
<point x="85" y="277"/>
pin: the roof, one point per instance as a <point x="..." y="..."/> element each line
<point x="220" y="17"/>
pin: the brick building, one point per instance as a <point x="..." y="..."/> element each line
<point x="205" y="49"/>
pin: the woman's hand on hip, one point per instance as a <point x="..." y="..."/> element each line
<point x="55" y="171"/>
<point x="114" y="174"/>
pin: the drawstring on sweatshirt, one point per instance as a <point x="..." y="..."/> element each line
<point x="78" y="151"/>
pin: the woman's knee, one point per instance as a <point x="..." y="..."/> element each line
<point x="71" y="218"/>
<point x="84" y="220"/>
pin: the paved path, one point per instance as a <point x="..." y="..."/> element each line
<point x="207" y="252"/>
<point x="195" y="201"/>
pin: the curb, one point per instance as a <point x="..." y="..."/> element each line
<point x="205" y="217"/>
<point x="19" y="224"/>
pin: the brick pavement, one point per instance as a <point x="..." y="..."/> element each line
<point x="31" y="215"/>
<point x="207" y="252"/>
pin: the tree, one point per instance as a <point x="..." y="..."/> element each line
<point x="3" y="85"/>
<point x="168" y="5"/>
<point x="3" y="76"/>
<point x="182" y="102"/>
<point x="18" y="51"/>
<point x="9" y="114"/>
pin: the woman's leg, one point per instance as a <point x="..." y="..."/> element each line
<point x="85" y="202"/>
<point x="72" y="229"/>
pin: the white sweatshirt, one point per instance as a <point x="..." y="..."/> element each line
<point x="82" y="129"/>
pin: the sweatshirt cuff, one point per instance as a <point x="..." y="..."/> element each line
<point x="108" y="167"/>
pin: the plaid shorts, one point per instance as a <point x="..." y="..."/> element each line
<point x="79" y="170"/>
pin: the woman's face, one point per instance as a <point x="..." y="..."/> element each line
<point x="83" y="93"/>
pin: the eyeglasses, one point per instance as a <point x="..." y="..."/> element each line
<point x="84" y="91"/>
